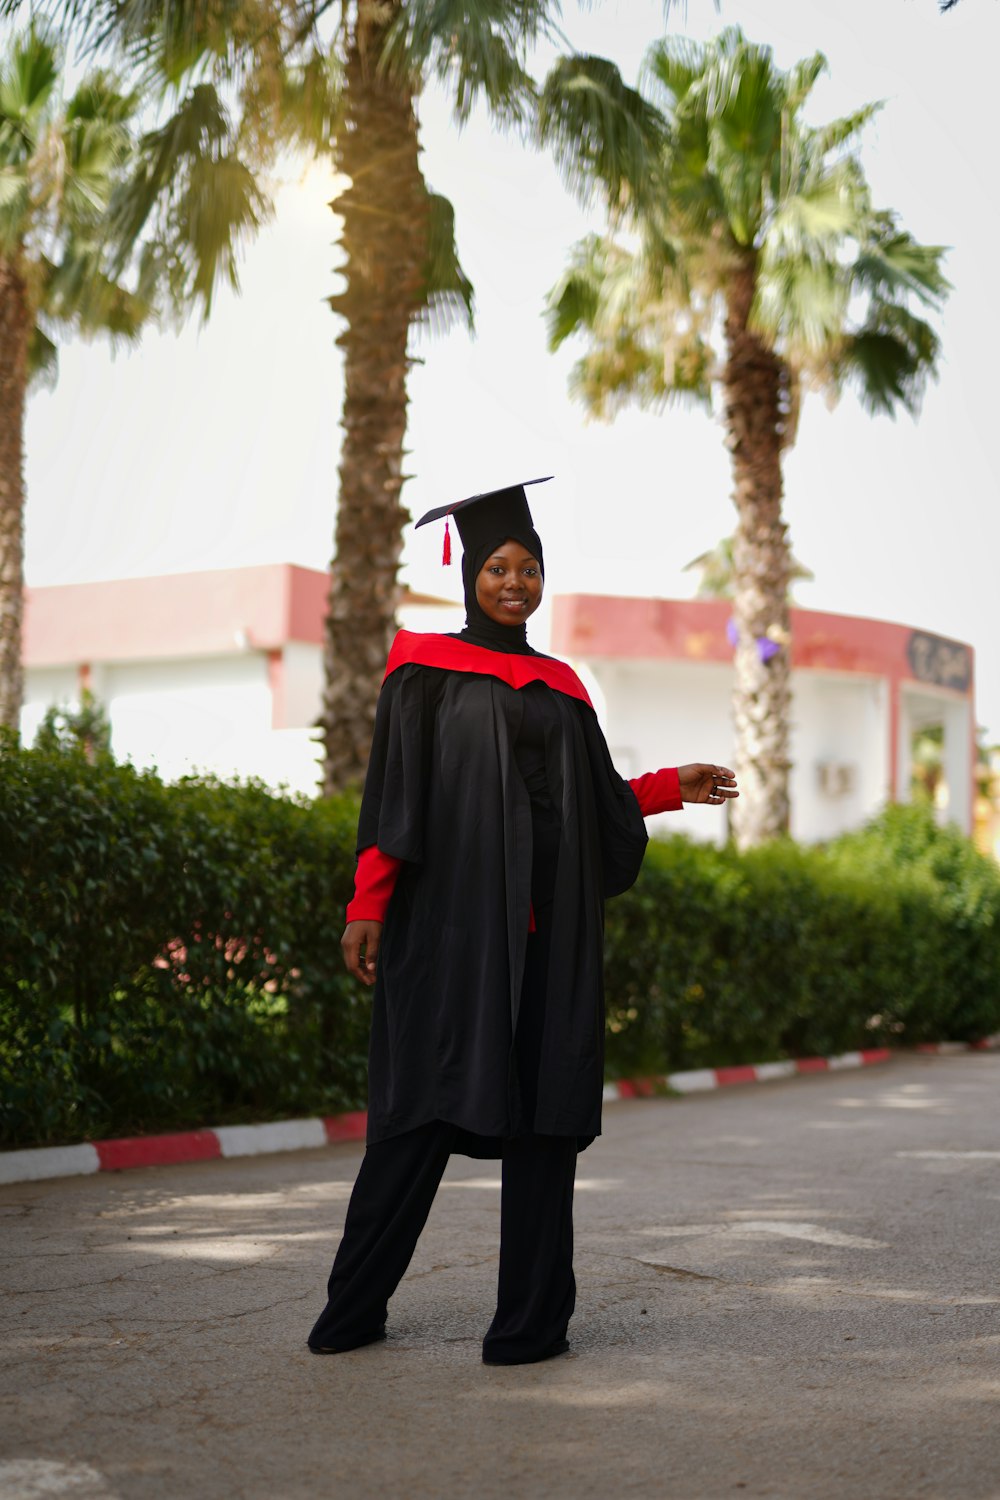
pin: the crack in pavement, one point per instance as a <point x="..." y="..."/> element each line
<point x="248" y="1312"/>
<point x="456" y="1265"/>
<point x="46" y="1255"/>
<point x="683" y="1271"/>
<point x="73" y="1286"/>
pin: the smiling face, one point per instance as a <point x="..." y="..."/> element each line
<point x="509" y="584"/>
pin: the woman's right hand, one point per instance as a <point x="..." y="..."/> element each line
<point x="360" y="948"/>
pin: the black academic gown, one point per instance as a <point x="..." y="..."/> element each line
<point x="444" y="795"/>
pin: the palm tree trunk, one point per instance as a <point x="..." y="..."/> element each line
<point x="755" y="415"/>
<point x="384" y="242"/>
<point x="14" y="331"/>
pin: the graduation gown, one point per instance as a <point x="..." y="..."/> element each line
<point x="444" y="795"/>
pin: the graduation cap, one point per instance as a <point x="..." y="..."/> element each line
<point x="482" y="518"/>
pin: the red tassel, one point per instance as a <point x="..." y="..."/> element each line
<point x="446" y="555"/>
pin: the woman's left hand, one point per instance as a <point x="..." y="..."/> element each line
<point x="711" y="784"/>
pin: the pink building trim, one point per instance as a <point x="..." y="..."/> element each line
<point x="178" y="615"/>
<point x="695" y="630"/>
<point x="595" y="627"/>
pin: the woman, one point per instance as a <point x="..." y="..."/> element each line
<point x="493" y="825"/>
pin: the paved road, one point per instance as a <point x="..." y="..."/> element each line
<point x="788" y="1290"/>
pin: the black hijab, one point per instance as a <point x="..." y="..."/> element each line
<point x="480" y="630"/>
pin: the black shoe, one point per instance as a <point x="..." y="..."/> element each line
<point x="560" y="1346"/>
<point x="344" y="1346"/>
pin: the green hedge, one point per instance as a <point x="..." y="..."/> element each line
<point x="169" y="954"/>
<point x="889" y="935"/>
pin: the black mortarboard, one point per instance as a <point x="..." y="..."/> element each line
<point x="487" y="518"/>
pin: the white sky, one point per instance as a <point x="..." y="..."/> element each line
<point x="219" y="447"/>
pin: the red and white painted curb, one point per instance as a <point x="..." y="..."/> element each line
<point x="185" y="1146"/>
<point x="946" y="1049"/>
<point x="716" y="1078"/>
<point x="296" y="1135"/>
<point x="698" y="1079"/>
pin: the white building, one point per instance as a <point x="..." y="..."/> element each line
<point x="861" y="690"/>
<point x="222" y="671"/>
<point x="218" y="671"/>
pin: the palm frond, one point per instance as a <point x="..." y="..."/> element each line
<point x="645" y="343"/>
<point x="570" y="308"/>
<point x="290" y="105"/>
<point x="603" y="133"/>
<point x="43" y="361"/>
<point x="838" y="133"/>
<point x="79" y="295"/>
<point x="309" y="105"/>
<point x="817" y="219"/>
<point x="29" y="77"/>
<point x="448" y="292"/>
<point x="631" y="371"/>
<point x="801" y="79"/>
<point x="97" y="143"/>
<point x="101" y="100"/>
<point x="670" y="69"/>
<point x="194" y="197"/>
<point x="890" y="360"/>
<point x="801" y="304"/>
<point x="573" y="303"/>
<point x="220" y="207"/>
<point x="741" y="93"/>
<point x="13" y="187"/>
<point x="169" y="37"/>
<point x="741" y="98"/>
<point x="15" y="207"/>
<point x="477" y="48"/>
<point x="891" y="264"/>
<point x="199" y="126"/>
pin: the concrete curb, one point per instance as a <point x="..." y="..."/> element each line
<point x="947" y="1049"/>
<point x="42" y="1163"/>
<point x="699" y="1079"/>
<point x="184" y="1146"/>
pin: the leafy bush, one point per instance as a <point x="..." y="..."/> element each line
<point x="949" y="943"/>
<point x="169" y="954"/>
<point x="891" y="934"/>
<point x="84" y="727"/>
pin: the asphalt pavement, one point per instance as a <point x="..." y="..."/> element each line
<point x="785" y="1290"/>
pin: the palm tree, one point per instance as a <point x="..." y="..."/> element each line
<point x="59" y="165"/>
<point x="84" y="201"/>
<point x="241" y="82"/>
<point x="401" y="268"/>
<point x="747" y="228"/>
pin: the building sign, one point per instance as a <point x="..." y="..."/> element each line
<point x="945" y="663"/>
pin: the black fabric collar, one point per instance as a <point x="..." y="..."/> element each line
<point x="498" y="638"/>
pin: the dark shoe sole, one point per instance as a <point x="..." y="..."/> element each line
<point x="561" y="1346"/>
<point x="345" y="1348"/>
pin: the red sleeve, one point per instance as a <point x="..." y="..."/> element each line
<point x="374" y="883"/>
<point x="658" y="791"/>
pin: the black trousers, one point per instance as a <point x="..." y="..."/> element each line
<point x="392" y="1197"/>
